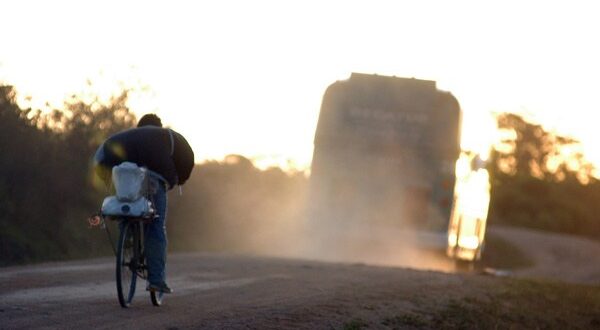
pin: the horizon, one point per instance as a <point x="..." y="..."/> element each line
<point x="247" y="79"/>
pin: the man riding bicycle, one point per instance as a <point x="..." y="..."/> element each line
<point x="169" y="161"/>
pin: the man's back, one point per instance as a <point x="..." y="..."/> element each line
<point x="161" y="150"/>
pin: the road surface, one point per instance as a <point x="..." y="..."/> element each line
<point x="212" y="291"/>
<point x="216" y="291"/>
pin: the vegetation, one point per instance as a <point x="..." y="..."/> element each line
<point x="521" y="304"/>
<point x="355" y="324"/>
<point x="47" y="192"/>
<point x="477" y="302"/>
<point x="542" y="180"/>
<point x="47" y="189"/>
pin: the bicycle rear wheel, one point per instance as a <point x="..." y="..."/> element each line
<point x="126" y="264"/>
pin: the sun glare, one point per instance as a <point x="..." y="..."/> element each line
<point x="248" y="79"/>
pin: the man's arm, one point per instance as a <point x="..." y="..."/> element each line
<point x="101" y="167"/>
<point x="183" y="157"/>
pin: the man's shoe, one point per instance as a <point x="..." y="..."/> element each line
<point x="160" y="287"/>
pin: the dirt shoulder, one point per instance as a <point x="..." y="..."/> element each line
<point x="225" y="291"/>
<point x="558" y="257"/>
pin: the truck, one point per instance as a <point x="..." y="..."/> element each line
<point x="386" y="151"/>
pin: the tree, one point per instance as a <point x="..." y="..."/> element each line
<point x="45" y="188"/>
<point x="542" y="180"/>
<point x="528" y="149"/>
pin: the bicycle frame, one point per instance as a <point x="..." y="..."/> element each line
<point x="119" y="220"/>
<point x="139" y="257"/>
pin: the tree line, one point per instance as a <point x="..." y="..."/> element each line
<point x="45" y="186"/>
<point x="542" y="180"/>
<point x="47" y="189"/>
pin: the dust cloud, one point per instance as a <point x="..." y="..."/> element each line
<point x="233" y="207"/>
<point x="382" y="244"/>
<point x="383" y="239"/>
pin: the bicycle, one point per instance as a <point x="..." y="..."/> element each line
<point x="132" y="209"/>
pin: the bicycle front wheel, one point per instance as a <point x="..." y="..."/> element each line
<point x="126" y="264"/>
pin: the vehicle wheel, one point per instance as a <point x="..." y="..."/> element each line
<point x="156" y="297"/>
<point x="126" y="266"/>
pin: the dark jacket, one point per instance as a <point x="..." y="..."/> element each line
<point x="161" y="150"/>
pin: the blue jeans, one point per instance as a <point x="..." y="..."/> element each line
<point x="156" y="234"/>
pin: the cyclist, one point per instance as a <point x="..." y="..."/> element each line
<point x="169" y="161"/>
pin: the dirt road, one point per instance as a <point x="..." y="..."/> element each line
<point x="211" y="292"/>
<point x="225" y="291"/>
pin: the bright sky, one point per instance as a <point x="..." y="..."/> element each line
<point x="247" y="77"/>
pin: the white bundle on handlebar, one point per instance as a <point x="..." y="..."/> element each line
<point x="128" y="179"/>
<point x="130" y="185"/>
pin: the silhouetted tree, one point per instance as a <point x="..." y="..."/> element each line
<point x="542" y="180"/>
<point x="532" y="151"/>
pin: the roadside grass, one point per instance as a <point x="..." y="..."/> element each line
<point x="512" y="304"/>
<point x="525" y="304"/>
<point x="356" y="324"/>
<point x="408" y="320"/>
<point x="507" y="303"/>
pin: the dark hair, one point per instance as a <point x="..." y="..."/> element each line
<point x="150" y="120"/>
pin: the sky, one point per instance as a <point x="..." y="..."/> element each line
<point x="247" y="77"/>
